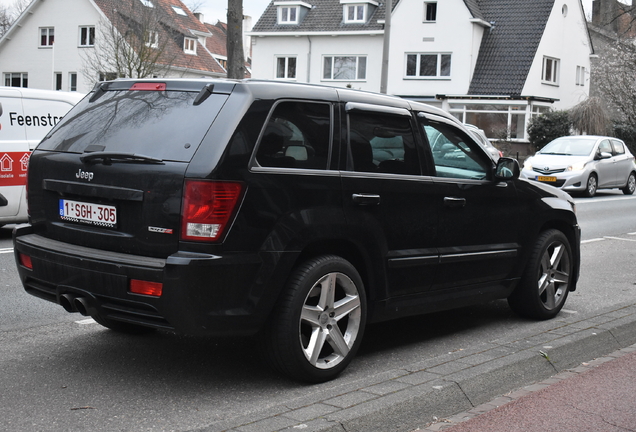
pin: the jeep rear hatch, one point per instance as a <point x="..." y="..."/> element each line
<point x="111" y="174"/>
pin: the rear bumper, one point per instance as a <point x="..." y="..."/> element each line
<point x="202" y="294"/>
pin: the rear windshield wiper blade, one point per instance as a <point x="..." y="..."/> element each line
<point x="108" y="157"/>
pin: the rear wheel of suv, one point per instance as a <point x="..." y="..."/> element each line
<point x="546" y="281"/>
<point x="317" y="327"/>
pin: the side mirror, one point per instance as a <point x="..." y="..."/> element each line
<point x="507" y="169"/>
<point x="604" y="155"/>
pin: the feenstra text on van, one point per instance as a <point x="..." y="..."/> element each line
<point x="45" y="120"/>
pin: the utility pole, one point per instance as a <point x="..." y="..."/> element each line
<point x="384" y="78"/>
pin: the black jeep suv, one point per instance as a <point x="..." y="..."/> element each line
<point x="214" y="207"/>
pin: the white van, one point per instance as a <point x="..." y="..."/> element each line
<point x="26" y="115"/>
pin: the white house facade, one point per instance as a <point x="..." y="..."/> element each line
<point x="49" y="43"/>
<point x="493" y="63"/>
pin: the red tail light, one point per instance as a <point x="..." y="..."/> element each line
<point x="25" y="260"/>
<point x="148" y="87"/>
<point x="154" y="289"/>
<point x="208" y="208"/>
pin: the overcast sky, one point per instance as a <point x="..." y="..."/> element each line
<point x="214" y="10"/>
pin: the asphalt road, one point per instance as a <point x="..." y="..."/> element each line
<point x="60" y="372"/>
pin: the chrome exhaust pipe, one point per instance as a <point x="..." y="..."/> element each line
<point x="67" y="301"/>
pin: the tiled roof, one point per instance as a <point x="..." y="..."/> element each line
<point x="324" y="16"/>
<point x="473" y="7"/>
<point x="509" y="46"/>
<point x="125" y="14"/>
<point x="217" y="44"/>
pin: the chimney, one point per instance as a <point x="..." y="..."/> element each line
<point x="199" y="16"/>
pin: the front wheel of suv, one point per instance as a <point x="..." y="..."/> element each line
<point x="317" y="327"/>
<point x="547" y="279"/>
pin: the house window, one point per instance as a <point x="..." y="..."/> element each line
<point x="152" y="39"/>
<point x="190" y="46"/>
<point x="16" y="79"/>
<point x="286" y="67"/>
<point x="147" y="3"/>
<point x="47" y="36"/>
<point x="354" y="13"/>
<point x="428" y="65"/>
<point x="72" y="81"/>
<point x="179" y="11"/>
<point x="288" y="15"/>
<point x="58" y="81"/>
<point x="430" y="11"/>
<point x="87" y="36"/>
<point x="349" y="68"/>
<point x="580" y="75"/>
<point x="550" y="74"/>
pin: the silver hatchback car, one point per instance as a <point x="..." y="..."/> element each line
<point x="583" y="164"/>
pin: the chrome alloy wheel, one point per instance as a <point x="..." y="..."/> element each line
<point x="330" y="320"/>
<point x="554" y="276"/>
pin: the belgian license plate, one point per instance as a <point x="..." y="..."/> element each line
<point x="546" y="179"/>
<point x="88" y="213"/>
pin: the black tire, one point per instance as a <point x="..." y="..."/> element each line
<point x="307" y="315"/>
<point x="591" y="186"/>
<point x="123" y="327"/>
<point x="546" y="281"/>
<point x="630" y="186"/>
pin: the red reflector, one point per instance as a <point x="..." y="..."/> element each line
<point x="149" y="86"/>
<point x="146" y="288"/>
<point x="25" y="260"/>
<point x="208" y="207"/>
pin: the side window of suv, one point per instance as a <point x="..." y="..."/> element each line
<point x="297" y="135"/>
<point x="382" y="143"/>
<point x="452" y="155"/>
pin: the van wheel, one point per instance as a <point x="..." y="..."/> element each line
<point x="122" y="327"/>
<point x="546" y="281"/>
<point x="317" y="327"/>
<point x="630" y="187"/>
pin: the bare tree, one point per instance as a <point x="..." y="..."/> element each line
<point x="590" y="117"/>
<point x="8" y="14"/>
<point x="132" y="43"/>
<point x="235" y="55"/>
<point x="614" y="74"/>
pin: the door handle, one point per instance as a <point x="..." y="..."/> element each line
<point x="452" y="202"/>
<point x="366" y="199"/>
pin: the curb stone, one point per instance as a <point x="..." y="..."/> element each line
<point x="429" y="393"/>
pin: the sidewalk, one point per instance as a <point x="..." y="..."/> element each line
<point x="466" y="381"/>
<point x="596" y="396"/>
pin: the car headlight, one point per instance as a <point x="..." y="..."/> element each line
<point x="576" y="167"/>
<point x="527" y="164"/>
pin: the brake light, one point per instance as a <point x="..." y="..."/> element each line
<point x="25" y="260"/>
<point x="208" y="208"/>
<point x="148" y="288"/>
<point x="149" y="86"/>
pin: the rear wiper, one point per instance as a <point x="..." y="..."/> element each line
<point x="108" y="157"/>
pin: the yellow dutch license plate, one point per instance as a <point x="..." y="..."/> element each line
<point x="546" y="179"/>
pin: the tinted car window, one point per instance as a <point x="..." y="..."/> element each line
<point x="382" y="143"/>
<point x="297" y="135"/>
<point x="162" y="124"/>
<point x="452" y="155"/>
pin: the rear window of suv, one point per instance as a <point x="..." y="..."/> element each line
<point x="162" y="124"/>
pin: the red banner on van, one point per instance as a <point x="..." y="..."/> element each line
<point x="13" y="168"/>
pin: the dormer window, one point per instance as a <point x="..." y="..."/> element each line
<point x="357" y="11"/>
<point x="291" y="12"/>
<point x="189" y="45"/>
